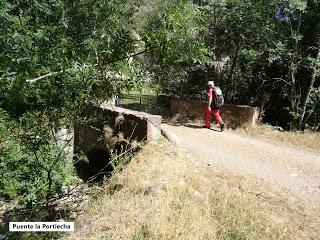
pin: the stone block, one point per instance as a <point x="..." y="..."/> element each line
<point x="136" y="125"/>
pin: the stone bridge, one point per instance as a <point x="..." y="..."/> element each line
<point x="115" y="130"/>
<point x="118" y="130"/>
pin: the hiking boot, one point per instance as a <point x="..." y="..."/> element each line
<point x="222" y="127"/>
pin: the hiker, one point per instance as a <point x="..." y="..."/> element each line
<point x="215" y="102"/>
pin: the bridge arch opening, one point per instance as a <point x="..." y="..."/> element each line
<point x="96" y="167"/>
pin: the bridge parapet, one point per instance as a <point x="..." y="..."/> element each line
<point x="116" y="130"/>
<point x="233" y="115"/>
<point x="133" y="124"/>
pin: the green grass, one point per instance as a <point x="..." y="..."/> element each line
<point x="142" y="103"/>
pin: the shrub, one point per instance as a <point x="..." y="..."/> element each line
<point x="32" y="166"/>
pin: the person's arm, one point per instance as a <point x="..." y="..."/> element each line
<point x="210" y="101"/>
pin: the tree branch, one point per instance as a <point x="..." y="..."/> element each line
<point x="44" y="76"/>
<point x="132" y="55"/>
<point x="53" y="74"/>
<point x="281" y="79"/>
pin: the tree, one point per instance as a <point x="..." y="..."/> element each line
<point x="265" y="53"/>
<point x="59" y="58"/>
<point x="311" y="45"/>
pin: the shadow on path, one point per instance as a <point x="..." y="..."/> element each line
<point x="191" y="125"/>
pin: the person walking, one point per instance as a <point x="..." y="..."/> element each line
<point x="214" y="103"/>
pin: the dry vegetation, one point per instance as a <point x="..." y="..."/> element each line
<point x="162" y="194"/>
<point x="307" y="139"/>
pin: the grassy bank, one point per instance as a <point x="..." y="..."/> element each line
<point x="307" y="139"/>
<point x="162" y="194"/>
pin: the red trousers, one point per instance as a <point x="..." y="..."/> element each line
<point x="216" y="114"/>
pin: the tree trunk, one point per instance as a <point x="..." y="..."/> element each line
<point x="294" y="68"/>
<point x="235" y="59"/>
<point x="293" y="87"/>
<point x="306" y="98"/>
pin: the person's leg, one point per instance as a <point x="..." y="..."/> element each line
<point x="216" y="114"/>
<point x="207" y="118"/>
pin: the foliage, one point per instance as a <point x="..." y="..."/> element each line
<point x="313" y="109"/>
<point x="120" y="157"/>
<point x="58" y="58"/>
<point x="33" y="168"/>
<point x="85" y="48"/>
<point x="172" y="33"/>
<point x="262" y="53"/>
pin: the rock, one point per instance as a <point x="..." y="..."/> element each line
<point x="198" y="195"/>
<point x="117" y="187"/>
<point x="64" y="190"/>
<point x="84" y="187"/>
<point x="149" y="191"/>
<point x="209" y="164"/>
<point x="134" y="145"/>
<point x="277" y="128"/>
<point x="104" y="228"/>
<point x="182" y="183"/>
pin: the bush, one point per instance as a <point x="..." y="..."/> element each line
<point x="32" y="167"/>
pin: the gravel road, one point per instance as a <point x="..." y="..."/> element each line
<point x="296" y="172"/>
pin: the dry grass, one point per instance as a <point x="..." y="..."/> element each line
<point x="162" y="194"/>
<point x="308" y="139"/>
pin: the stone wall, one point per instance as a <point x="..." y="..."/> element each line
<point x="233" y="115"/>
<point x="112" y="130"/>
<point x="65" y="140"/>
<point x="131" y="124"/>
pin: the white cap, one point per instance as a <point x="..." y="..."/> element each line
<point x="210" y="83"/>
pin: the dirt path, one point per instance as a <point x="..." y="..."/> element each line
<point x="294" y="172"/>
